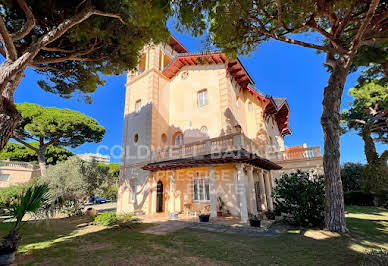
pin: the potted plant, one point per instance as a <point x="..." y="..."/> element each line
<point x="204" y="218"/>
<point x="221" y="205"/>
<point x="30" y="201"/>
<point x="255" y="221"/>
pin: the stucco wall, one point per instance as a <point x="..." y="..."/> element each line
<point x="17" y="175"/>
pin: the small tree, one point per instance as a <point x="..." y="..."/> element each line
<point x="19" y="152"/>
<point x="71" y="182"/>
<point x="302" y="197"/>
<point x="368" y="116"/>
<point x="50" y="125"/>
<point x="30" y="201"/>
<point x="351" y="175"/>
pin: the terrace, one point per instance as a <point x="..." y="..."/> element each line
<point x="228" y="144"/>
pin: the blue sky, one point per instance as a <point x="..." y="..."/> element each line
<point x="278" y="69"/>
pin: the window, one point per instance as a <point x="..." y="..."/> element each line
<point x="138" y="106"/>
<point x="202" y="98"/>
<point x="136" y="138"/>
<point x="164" y="138"/>
<point x="133" y="190"/>
<point x="204" y="131"/>
<point x="201" y="190"/>
<point x="4" y="178"/>
<point x="250" y="107"/>
<point x="142" y="64"/>
<point x="178" y="139"/>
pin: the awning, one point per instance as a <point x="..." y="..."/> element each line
<point x="240" y="156"/>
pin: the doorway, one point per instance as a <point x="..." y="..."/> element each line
<point x="159" y="197"/>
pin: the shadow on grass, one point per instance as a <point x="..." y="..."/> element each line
<point x="69" y="241"/>
<point x="368" y="211"/>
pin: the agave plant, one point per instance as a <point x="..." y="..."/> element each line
<point x="30" y="201"/>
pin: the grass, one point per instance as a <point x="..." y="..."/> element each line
<point x="69" y="241"/>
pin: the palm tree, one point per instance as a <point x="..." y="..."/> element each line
<point x="30" y="201"/>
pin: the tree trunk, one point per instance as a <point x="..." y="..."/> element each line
<point x="9" y="119"/>
<point x="9" y="116"/>
<point x="369" y="146"/>
<point x="42" y="161"/>
<point x="330" y="121"/>
<point x="375" y="175"/>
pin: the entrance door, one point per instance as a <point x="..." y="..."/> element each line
<point x="159" y="197"/>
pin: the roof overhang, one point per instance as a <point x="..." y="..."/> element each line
<point x="176" y="45"/>
<point x="240" y="156"/>
<point x="234" y="68"/>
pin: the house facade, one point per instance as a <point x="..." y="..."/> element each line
<point x="13" y="173"/>
<point x="197" y="132"/>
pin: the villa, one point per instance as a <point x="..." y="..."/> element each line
<point x="197" y="132"/>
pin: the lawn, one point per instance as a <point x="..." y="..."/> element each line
<point x="69" y="241"/>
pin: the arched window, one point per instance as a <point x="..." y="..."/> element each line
<point x="204" y="131"/>
<point x="178" y="139"/>
<point x="164" y="138"/>
<point x="136" y="138"/>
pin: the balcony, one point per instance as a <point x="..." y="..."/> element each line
<point x="229" y="143"/>
<point x="15" y="164"/>
<point x="297" y="154"/>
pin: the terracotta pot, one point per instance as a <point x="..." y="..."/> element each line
<point x="255" y="223"/>
<point x="7" y="259"/>
<point x="219" y="213"/>
<point x="204" y="218"/>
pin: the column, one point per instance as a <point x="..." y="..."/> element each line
<point x="268" y="189"/>
<point x="242" y="192"/>
<point x="154" y="193"/>
<point x="147" y="59"/>
<point x="172" y="214"/>
<point x="212" y="190"/>
<point x="263" y="197"/>
<point x="252" y="194"/>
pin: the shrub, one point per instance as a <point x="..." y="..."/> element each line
<point x="110" y="194"/>
<point x="359" y="198"/>
<point x="9" y="194"/>
<point x="106" y="219"/>
<point x="301" y="197"/>
<point x="376" y="258"/>
<point x="270" y="215"/>
<point x="111" y="218"/>
<point x="351" y="176"/>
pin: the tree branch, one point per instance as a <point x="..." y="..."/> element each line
<point x="357" y="40"/>
<point x="52" y="141"/>
<point x="45" y="40"/>
<point x="112" y="15"/>
<point x="6" y="40"/>
<point x="25" y="144"/>
<point x="282" y="38"/>
<point x="28" y="26"/>
<point x="44" y="68"/>
<point x="73" y="56"/>
<point x="2" y="51"/>
<point x="57" y="49"/>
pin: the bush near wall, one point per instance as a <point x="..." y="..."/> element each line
<point x="301" y="197"/>
<point x="358" y="197"/>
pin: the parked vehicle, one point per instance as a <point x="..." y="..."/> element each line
<point x="97" y="200"/>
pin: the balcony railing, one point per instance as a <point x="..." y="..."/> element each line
<point x="228" y="143"/>
<point x="18" y="165"/>
<point x="232" y="142"/>
<point x="305" y="153"/>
